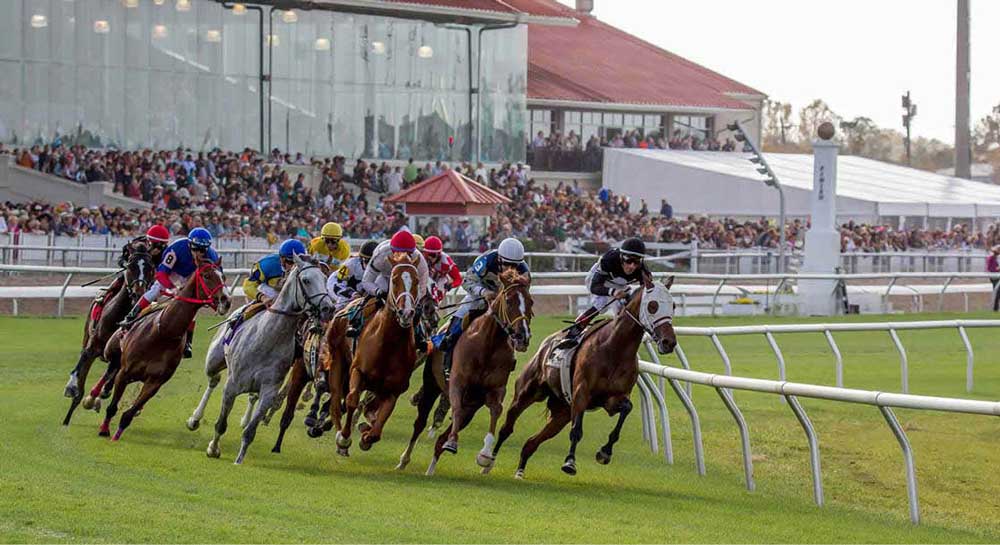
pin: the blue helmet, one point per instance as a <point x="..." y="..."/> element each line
<point x="290" y="248"/>
<point x="200" y="238"/>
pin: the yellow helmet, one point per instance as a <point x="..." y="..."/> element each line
<point x="332" y="230"/>
<point x="419" y="240"/>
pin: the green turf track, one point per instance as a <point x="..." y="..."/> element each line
<point x="156" y="485"/>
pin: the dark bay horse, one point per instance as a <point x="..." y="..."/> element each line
<point x="483" y="361"/>
<point x="102" y="321"/>
<point x="604" y="371"/>
<point x="150" y="351"/>
<point x="386" y="355"/>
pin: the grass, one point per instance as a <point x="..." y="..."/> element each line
<point x="67" y="485"/>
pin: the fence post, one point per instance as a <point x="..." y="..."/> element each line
<point x="699" y="449"/>
<point x="904" y="367"/>
<point x="941" y="297"/>
<point x="682" y="357"/>
<point x="645" y="416"/>
<point x="722" y="353"/>
<point x="777" y="354"/>
<point x="807" y="426"/>
<point x="836" y="354"/>
<point x="727" y="398"/>
<point x="715" y="296"/>
<point x="911" y="474"/>
<point x="62" y="294"/>
<point x="969" y="357"/>
<point x="668" y="443"/>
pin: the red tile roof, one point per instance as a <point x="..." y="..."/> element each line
<point x="596" y="62"/>
<point x="449" y="187"/>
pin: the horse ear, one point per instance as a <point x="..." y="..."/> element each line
<point x="669" y="281"/>
<point x="298" y="259"/>
<point x="647" y="280"/>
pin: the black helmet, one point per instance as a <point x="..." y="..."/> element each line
<point x="367" y="249"/>
<point x="633" y="247"/>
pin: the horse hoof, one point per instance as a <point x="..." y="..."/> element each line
<point x="343" y="442"/>
<point x="342" y="451"/>
<point x="213" y="451"/>
<point x="364" y="445"/>
<point x="276" y="449"/>
<point x="328" y="425"/>
<point x="402" y="465"/>
<point x="450" y="446"/>
<point x="310" y="421"/>
<point x="519" y="474"/>
<point x="603" y="458"/>
<point x="299" y="406"/>
<point x="485" y="461"/>
<point x="88" y="402"/>
<point x="364" y="427"/>
<point x="193" y="424"/>
<point x="71" y="391"/>
<point x="118" y="434"/>
<point x="103" y="433"/>
<point x="315" y="432"/>
<point x="569" y="467"/>
<point x="105" y="393"/>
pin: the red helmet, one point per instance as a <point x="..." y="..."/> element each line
<point x="403" y="242"/>
<point x="433" y="245"/>
<point x="158" y="233"/>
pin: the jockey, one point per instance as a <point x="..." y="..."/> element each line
<point x="266" y="275"/>
<point x="343" y="285"/>
<point x="375" y="282"/>
<point x="330" y="248"/>
<point x="180" y="260"/>
<point x="444" y="274"/>
<point x="482" y="282"/>
<point x="608" y="283"/>
<point x="155" y="240"/>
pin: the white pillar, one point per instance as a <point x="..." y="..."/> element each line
<point x="822" y="244"/>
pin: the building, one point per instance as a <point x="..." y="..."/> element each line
<point x="382" y="79"/>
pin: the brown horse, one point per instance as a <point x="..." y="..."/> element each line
<point x="483" y="361"/>
<point x="102" y="321"/>
<point x="386" y="355"/>
<point x="150" y="351"/>
<point x="604" y="371"/>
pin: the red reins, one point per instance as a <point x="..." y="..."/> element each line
<point x="201" y="287"/>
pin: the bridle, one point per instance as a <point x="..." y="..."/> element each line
<point x="309" y="306"/>
<point x="201" y="287"/>
<point x="394" y="301"/>
<point x="646" y="330"/>
<point x="500" y="311"/>
<point x="141" y="260"/>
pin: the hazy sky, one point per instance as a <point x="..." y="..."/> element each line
<point x="858" y="55"/>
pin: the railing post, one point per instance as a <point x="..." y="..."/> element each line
<point x="715" y="296"/>
<point x="62" y="294"/>
<point x="777" y="354"/>
<point x="727" y="398"/>
<point x="807" y="426"/>
<point x="699" y="449"/>
<point x="648" y="427"/>
<point x="969" y="358"/>
<point x="941" y="297"/>
<point x="668" y="443"/>
<point x="722" y="353"/>
<point x="904" y="366"/>
<point x="836" y="354"/>
<point x="682" y="357"/>
<point x="911" y="473"/>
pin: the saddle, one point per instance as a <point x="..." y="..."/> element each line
<point x="562" y="359"/>
<point x="310" y="339"/>
<point x="248" y="311"/>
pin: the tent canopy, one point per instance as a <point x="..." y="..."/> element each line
<point x="727" y="184"/>
<point x="449" y="194"/>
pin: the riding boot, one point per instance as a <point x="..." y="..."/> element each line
<point x="132" y="315"/>
<point x="187" y="344"/>
<point x="355" y="320"/>
<point x="446" y="340"/>
<point x="574" y="331"/>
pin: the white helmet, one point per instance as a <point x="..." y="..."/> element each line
<point x="511" y="249"/>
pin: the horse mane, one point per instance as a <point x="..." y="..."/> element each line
<point x="511" y="276"/>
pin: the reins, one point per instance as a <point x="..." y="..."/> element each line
<point x="309" y="305"/>
<point x="502" y="317"/>
<point x="200" y="287"/>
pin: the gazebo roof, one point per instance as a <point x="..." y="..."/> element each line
<point x="450" y="190"/>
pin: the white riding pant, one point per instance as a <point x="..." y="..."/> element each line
<point x="599" y="301"/>
<point x="470" y="303"/>
<point x="154" y="291"/>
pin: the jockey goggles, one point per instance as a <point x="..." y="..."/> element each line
<point x="631" y="259"/>
<point x="331" y="241"/>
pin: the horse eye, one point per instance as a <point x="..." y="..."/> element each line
<point x="652" y="307"/>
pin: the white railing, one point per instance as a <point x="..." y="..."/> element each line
<point x="790" y="392"/>
<point x="759" y="261"/>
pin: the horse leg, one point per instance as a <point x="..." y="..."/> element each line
<point x="494" y="401"/>
<point x="425" y="404"/>
<point x="229" y="394"/>
<point x="195" y="420"/>
<point x="559" y="415"/>
<point x="522" y="400"/>
<point x="374" y="434"/>
<point x="623" y="407"/>
<point x="101" y="388"/>
<point x="116" y="397"/>
<point x="353" y="397"/>
<point x="443" y="408"/>
<point x="77" y="379"/>
<point x="266" y="397"/>
<point x="296" y="383"/>
<point x="149" y="390"/>
<point x="460" y="418"/>
<point x="251" y="402"/>
<point x="575" y="432"/>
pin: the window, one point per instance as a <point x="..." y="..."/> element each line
<point x="690" y="125"/>
<point x="541" y="121"/>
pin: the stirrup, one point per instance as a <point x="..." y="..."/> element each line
<point x="188" y="353"/>
<point x="567" y="343"/>
<point x="352" y="332"/>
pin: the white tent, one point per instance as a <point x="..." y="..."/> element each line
<point x="727" y="184"/>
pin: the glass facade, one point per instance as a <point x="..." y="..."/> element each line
<point x="167" y="73"/>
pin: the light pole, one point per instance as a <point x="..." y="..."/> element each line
<point x="771" y="180"/>
<point x="910" y="111"/>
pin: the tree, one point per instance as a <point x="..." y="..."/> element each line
<point x="814" y="115"/>
<point x="777" y="122"/>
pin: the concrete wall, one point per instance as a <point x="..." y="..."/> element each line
<point x="20" y="184"/>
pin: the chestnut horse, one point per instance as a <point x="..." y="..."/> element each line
<point x="483" y="361"/>
<point x="604" y="371"/>
<point x="138" y="274"/>
<point x="386" y="355"/>
<point x="150" y="351"/>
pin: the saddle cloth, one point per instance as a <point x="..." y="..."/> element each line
<point x="562" y="359"/>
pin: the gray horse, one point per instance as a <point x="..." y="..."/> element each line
<point x="260" y="353"/>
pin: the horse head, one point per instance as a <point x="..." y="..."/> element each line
<point x="309" y="281"/>
<point x="512" y="308"/>
<point x="656" y="313"/>
<point x="209" y="288"/>
<point x="404" y="282"/>
<point x="427" y="309"/>
<point x="139" y="271"/>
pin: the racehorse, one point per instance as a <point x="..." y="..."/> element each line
<point x="102" y="321"/>
<point x="151" y="349"/>
<point x="386" y="355"/>
<point x="604" y="370"/>
<point x="483" y="361"/>
<point x="260" y="352"/>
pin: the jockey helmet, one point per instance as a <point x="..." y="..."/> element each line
<point x="633" y="247"/>
<point x="403" y="241"/>
<point x="419" y="241"/>
<point x="367" y="249"/>
<point x="290" y="248"/>
<point x="158" y="233"/>
<point x="433" y="245"/>
<point x="511" y="250"/>
<point x="200" y="238"/>
<point x="332" y="230"/>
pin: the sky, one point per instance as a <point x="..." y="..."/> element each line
<point x="859" y="56"/>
